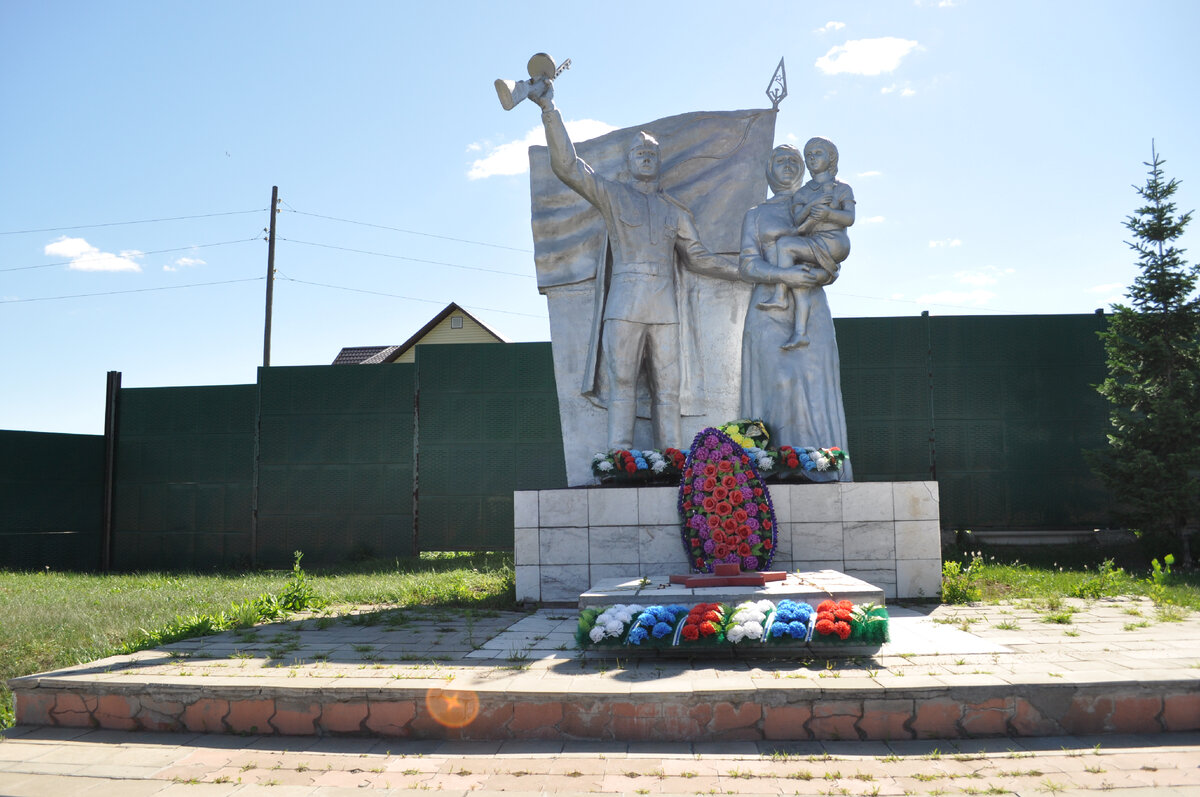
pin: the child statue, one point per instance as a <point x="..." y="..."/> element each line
<point x="821" y="210"/>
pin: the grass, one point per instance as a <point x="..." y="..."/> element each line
<point x="1058" y="573"/>
<point x="50" y="620"/>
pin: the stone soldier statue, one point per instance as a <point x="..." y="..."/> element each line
<point x="639" y="309"/>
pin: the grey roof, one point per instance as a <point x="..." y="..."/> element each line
<point x="363" y="355"/>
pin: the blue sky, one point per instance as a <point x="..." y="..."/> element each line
<point x="991" y="147"/>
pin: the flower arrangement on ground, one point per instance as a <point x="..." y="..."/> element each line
<point x="704" y="624"/>
<point x="608" y="626"/>
<point x="726" y="509"/>
<point x="746" y="626"/>
<point x="656" y="625"/>
<point x="792" y="620"/>
<point x="748" y="621"/>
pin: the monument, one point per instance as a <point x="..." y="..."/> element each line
<point x="682" y="297"/>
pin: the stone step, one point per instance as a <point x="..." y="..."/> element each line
<point x="810" y="587"/>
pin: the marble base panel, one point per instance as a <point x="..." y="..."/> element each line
<point x="884" y="533"/>
<point x="802" y="587"/>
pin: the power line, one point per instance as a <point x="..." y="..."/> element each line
<point x="134" y="290"/>
<point x="138" y="221"/>
<point x="410" y="259"/>
<point x="152" y="252"/>
<point x="410" y="232"/>
<point x="399" y="296"/>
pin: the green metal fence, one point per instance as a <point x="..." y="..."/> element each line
<point x="184" y="477"/>
<point x="997" y="409"/>
<point x="487" y="425"/>
<point x="335" y="463"/>
<point x="51" y="500"/>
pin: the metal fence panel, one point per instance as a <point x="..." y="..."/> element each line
<point x="52" y="495"/>
<point x="335" y="463"/>
<point x="488" y="425"/>
<point x="185" y="464"/>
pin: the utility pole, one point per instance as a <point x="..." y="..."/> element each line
<point x="270" y="276"/>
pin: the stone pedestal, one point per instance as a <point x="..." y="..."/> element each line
<point x="885" y="533"/>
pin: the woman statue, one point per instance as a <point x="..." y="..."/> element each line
<point x="796" y="390"/>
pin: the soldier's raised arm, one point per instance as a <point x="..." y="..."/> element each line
<point x="567" y="166"/>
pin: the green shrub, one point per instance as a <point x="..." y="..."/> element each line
<point x="959" y="581"/>
<point x="1107" y="581"/>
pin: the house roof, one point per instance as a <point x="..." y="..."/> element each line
<point x="371" y="355"/>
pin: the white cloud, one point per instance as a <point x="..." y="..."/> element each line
<point x="973" y="298"/>
<point x="183" y="262"/>
<point x="85" y="257"/>
<point x="904" y="92"/>
<point x="907" y="92"/>
<point x="987" y="275"/>
<point x="873" y="220"/>
<point x="947" y="3"/>
<point x="513" y="157"/>
<point x="870" y="174"/>
<point x="474" y="146"/>
<point x="866" y="56"/>
<point x="888" y="89"/>
<point x="945" y="242"/>
<point x="792" y="137"/>
<point x="829" y="26"/>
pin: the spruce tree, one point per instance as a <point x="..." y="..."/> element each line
<point x="1152" y="463"/>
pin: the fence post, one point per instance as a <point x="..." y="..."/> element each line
<point x="112" y="401"/>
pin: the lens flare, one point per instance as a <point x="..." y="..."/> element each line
<point x="452" y="708"/>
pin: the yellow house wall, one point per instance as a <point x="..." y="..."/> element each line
<point x="471" y="332"/>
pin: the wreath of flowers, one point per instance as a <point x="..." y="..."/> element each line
<point x="726" y="509"/>
<point x="651" y="466"/>
<point x="789" y="461"/>
<point x="639" y="466"/>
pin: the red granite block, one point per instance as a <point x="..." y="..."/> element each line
<point x="685" y="721"/>
<point x="787" y="722"/>
<point x="206" y="715"/>
<point x="160" y="715"/>
<point x="1088" y="714"/>
<point x="989" y="718"/>
<point x="293" y="718"/>
<point x="937" y="719"/>
<point x="1135" y="714"/>
<point x="73" y="711"/>
<point x="117" y="712"/>
<point x="588" y="720"/>
<point x="536" y="720"/>
<point x="733" y="722"/>
<point x="34" y="706"/>
<point x="884" y="720"/>
<point x="491" y="721"/>
<point x="635" y="729"/>
<point x="646" y="709"/>
<point x="392" y="717"/>
<point x="343" y="717"/>
<point x="251" y="716"/>
<point x="1028" y="721"/>
<point x="835" y="719"/>
<point x="1181" y="712"/>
